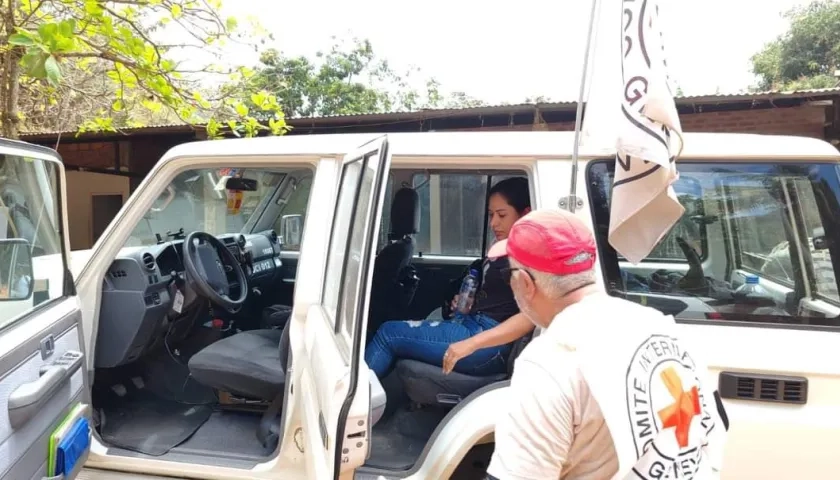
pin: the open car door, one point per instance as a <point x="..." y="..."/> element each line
<point x="335" y="381"/>
<point x="45" y="423"/>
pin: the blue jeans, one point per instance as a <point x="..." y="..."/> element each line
<point x="427" y="340"/>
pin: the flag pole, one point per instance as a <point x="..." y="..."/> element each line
<point x="572" y="199"/>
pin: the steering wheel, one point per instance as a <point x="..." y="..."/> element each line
<point x="207" y="262"/>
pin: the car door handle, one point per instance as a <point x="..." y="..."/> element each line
<point x="29" y="398"/>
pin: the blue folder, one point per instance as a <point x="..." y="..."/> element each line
<point x="72" y="447"/>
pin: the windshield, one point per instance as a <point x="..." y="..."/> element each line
<point x="198" y="200"/>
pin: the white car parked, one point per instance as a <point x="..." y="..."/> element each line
<point x="217" y="328"/>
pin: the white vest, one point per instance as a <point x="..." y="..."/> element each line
<point x="653" y="390"/>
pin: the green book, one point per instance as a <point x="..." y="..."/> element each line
<point x="79" y="411"/>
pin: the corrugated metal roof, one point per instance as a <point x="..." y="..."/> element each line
<point x="432" y="113"/>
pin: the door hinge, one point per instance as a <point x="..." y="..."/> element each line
<point x="565" y="202"/>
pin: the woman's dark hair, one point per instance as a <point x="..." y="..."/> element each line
<point x="515" y="192"/>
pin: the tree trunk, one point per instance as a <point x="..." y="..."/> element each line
<point x="10" y="78"/>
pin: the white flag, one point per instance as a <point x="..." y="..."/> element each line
<point x="644" y="206"/>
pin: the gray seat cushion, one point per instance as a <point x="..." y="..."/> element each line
<point x="247" y="364"/>
<point x="427" y="385"/>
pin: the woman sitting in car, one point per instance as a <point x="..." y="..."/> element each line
<point x="474" y="343"/>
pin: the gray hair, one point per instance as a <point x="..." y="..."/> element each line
<point x="558" y="286"/>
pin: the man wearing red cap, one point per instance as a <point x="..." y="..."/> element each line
<point x="607" y="390"/>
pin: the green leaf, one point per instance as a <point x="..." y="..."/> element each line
<point x="233" y="128"/>
<point x="231" y="23"/>
<point x="53" y="71"/>
<point x="47" y="31"/>
<point x="21" y="40"/>
<point x="152" y="105"/>
<point x="33" y="63"/>
<point x="93" y="8"/>
<point x="176" y="10"/>
<point x="67" y="27"/>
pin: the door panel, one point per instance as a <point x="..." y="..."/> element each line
<point x="24" y="446"/>
<point x="42" y="379"/>
<point x="435" y="273"/>
<point x="337" y="407"/>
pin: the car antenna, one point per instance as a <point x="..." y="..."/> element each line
<point x="572" y="201"/>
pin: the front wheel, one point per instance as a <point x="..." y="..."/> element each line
<point x="474" y="464"/>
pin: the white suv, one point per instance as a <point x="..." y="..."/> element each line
<point x="223" y="315"/>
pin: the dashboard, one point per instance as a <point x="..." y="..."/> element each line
<point x="138" y="309"/>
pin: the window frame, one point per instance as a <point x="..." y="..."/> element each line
<point x="375" y="160"/>
<point x="345" y="245"/>
<point x="68" y="287"/>
<point x="488" y="176"/>
<point x="829" y="216"/>
<point x="282" y="206"/>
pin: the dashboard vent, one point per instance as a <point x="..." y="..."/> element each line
<point x="148" y="261"/>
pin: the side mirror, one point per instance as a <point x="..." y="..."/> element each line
<point x="291" y="227"/>
<point x="16" y="281"/>
<point x="241" y="184"/>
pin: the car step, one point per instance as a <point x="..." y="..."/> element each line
<point x="95" y="474"/>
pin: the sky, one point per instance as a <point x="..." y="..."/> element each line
<point x="498" y="53"/>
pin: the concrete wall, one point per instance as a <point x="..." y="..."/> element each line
<point x="81" y="186"/>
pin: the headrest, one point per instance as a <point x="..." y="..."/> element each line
<point x="405" y="213"/>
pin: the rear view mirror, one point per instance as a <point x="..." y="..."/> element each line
<point x="241" y="184"/>
<point x="15" y="270"/>
<point x="290" y="230"/>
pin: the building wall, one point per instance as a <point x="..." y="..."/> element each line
<point x="89" y="155"/>
<point x="81" y="186"/>
<point x="806" y="121"/>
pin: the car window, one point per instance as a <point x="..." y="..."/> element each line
<point x="296" y="204"/>
<point x="341" y="292"/>
<point x="340" y="234"/>
<point x="771" y="223"/>
<point x="32" y="259"/>
<point x="452" y="213"/>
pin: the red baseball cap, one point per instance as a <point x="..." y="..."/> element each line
<point x="550" y="241"/>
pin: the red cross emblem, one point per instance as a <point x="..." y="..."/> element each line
<point x="680" y="413"/>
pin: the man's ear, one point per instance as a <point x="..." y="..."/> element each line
<point x="526" y="285"/>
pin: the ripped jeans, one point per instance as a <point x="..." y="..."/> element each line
<point x="427" y="340"/>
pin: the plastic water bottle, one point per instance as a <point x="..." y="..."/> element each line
<point x="467" y="293"/>
<point x="753" y="294"/>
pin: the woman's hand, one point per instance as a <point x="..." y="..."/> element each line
<point x="453" y="305"/>
<point x="456" y="352"/>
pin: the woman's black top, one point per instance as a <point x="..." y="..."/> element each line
<point x="494" y="296"/>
